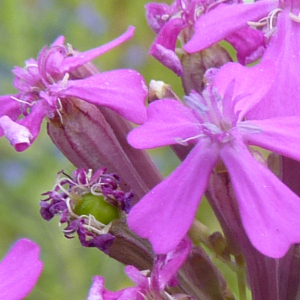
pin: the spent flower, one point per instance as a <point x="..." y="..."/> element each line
<point x="87" y="203"/>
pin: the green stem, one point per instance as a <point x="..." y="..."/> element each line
<point x="240" y="272"/>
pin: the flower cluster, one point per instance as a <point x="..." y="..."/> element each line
<point x="233" y="119"/>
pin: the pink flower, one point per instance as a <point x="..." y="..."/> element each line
<point x="215" y="124"/>
<point x="163" y="275"/>
<point x="20" y="270"/>
<point x="59" y="74"/>
<point x="171" y="23"/>
<point x="279" y="21"/>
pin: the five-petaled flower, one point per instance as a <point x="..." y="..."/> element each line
<point x="215" y="123"/>
<point x="59" y="74"/>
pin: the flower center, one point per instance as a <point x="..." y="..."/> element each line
<point x="208" y="109"/>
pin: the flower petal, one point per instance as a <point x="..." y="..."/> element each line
<point x="165" y="214"/>
<point x="155" y="15"/>
<point x="73" y="62"/>
<point x="230" y="18"/>
<point x="283" y="97"/>
<point x="259" y="80"/>
<point x="97" y="289"/>
<point x="249" y="43"/>
<point x="19" y="136"/>
<point x="137" y="277"/>
<point x="20" y="270"/>
<point x="166" y="266"/>
<point x="269" y="209"/>
<point x="169" y="122"/>
<point x="280" y="135"/>
<point x="9" y="107"/>
<point x="98" y="292"/>
<point x="163" y="48"/>
<point x="123" y="91"/>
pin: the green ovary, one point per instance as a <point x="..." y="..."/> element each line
<point x="96" y="205"/>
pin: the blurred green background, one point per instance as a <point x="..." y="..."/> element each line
<point x="25" y="27"/>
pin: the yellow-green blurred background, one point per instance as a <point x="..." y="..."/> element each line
<point x="25" y="27"/>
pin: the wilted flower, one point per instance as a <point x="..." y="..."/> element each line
<point x="87" y="203"/>
<point x="60" y="73"/>
<point x="20" y="270"/>
<point x="214" y="123"/>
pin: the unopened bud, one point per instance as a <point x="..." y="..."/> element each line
<point x="196" y="64"/>
<point x="160" y="90"/>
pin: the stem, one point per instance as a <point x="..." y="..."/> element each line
<point x="240" y="272"/>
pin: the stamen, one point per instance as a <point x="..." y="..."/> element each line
<point x="269" y="20"/>
<point x="70" y="210"/>
<point x="273" y="15"/>
<point x="22" y="101"/>
<point x="260" y="23"/>
<point x="31" y="65"/>
<point x="183" y="142"/>
<point x="70" y="50"/>
<point x="96" y="226"/>
<point x="94" y="189"/>
<point x="198" y="12"/>
<point x="294" y="17"/>
<point x="214" y="4"/>
<point x="65" y="80"/>
<point x="58" y="110"/>
<point x="165" y="17"/>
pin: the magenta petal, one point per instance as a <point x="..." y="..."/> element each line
<point x="230" y="18"/>
<point x="33" y="122"/>
<point x="97" y="289"/>
<point x="71" y="63"/>
<point x="98" y="292"/>
<point x="155" y="13"/>
<point x="280" y="135"/>
<point x="167" y="57"/>
<point x="163" y="48"/>
<point x="20" y="270"/>
<point x="165" y="214"/>
<point x="169" y="122"/>
<point x="137" y="277"/>
<point x="123" y="91"/>
<point x="269" y="209"/>
<point x="283" y="97"/>
<point x="166" y="267"/>
<point x="259" y="80"/>
<point x="59" y="41"/>
<point x="249" y="43"/>
<point x="19" y="136"/>
<point x="9" y="106"/>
